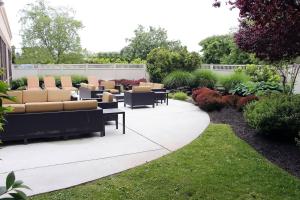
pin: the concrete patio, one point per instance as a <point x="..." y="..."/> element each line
<point x="150" y="133"/>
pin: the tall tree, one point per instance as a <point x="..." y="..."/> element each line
<point x="271" y="30"/>
<point x="221" y="49"/>
<point x="145" y="40"/>
<point x="53" y="29"/>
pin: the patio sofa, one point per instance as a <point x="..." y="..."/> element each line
<point x="139" y="96"/>
<point x="49" y="113"/>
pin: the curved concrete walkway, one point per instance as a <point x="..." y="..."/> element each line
<point x="150" y="133"/>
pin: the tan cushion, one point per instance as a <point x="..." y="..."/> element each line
<point x="92" y="80"/>
<point x="17" y="108"/>
<point x="70" y="88"/>
<point x="141" y="89"/>
<point x="66" y="81"/>
<point x="17" y="94"/>
<point x="107" y="97"/>
<point x="59" y="95"/>
<point x="44" y="106"/>
<point x="158" y="86"/>
<point x="30" y="96"/>
<point x="146" y="84"/>
<point x="108" y="84"/>
<point x="89" y="86"/>
<point x="33" y="82"/>
<point x="114" y="91"/>
<point x="49" y="82"/>
<point x="52" y="88"/>
<point x="80" y="105"/>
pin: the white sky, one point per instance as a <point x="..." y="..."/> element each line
<point x="108" y="22"/>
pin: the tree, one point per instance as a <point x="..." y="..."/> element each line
<point x="34" y="55"/>
<point x="161" y="61"/>
<point x="222" y="50"/>
<point x="55" y="30"/>
<point x="145" y="40"/>
<point x="270" y="29"/>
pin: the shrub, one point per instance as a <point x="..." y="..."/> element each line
<point x="208" y="100"/>
<point x="205" y="78"/>
<point x="77" y="79"/>
<point x="277" y="115"/>
<point x="180" y="96"/>
<point x="18" y="83"/>
<point x="243" y="101"/>
<point x="178" y="79"/>
<point x="229" y="82"/>
<point x="230" y="100"/>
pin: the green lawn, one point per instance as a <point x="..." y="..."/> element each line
<point x="217" y="165"/>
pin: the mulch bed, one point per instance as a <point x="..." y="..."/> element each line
<point x="284" y="154"/>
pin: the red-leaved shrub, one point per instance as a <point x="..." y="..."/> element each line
<point x="207" y="99"/>
<point x="230" y="100"/>
<point x="243" y="101"/>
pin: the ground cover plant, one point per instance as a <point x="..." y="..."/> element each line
<point x="217" y="165"/>
<point x="178" y="96"/>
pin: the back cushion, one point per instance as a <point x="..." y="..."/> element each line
<point x="17" y="94"/>
<point x="30" y="96"/>
<point x="49" y="81"/>
<point x="80" y="105"/>
<point x="141" y="89"/>
<point x="107" y="97"/>
<point x="32" y="82"/>
<point x="108" y="84"/>
<point x="93" y="81"/>
<point x="157" y="86"/>
<point x="59" y="95"/>
<point x="66" y="81"/>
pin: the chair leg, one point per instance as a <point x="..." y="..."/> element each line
<point x="117" y="122"/>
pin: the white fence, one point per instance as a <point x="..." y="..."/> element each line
<point x="101" y="71"/>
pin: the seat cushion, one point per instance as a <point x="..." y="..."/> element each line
<point x="80" y="105"/>
<point x="59" y="95"/>
<point x="16" y="108"/>
<point x="70" y="88"/>
<point x="30" y="96"/>
<point x="114" y="91"/>
<point x="136" y="89"/>
<point x="43" y="106"/>
<point x="108" y="84"/>
<point x="18" y="94"/>
<point x="52" y="88"/>
<point x="107" y="97"/>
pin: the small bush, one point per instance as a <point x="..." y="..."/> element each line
<point x="229" y="82"/>
<point x="205" y="78"/>
<point x="18" y="83"/>
<point x="178" y="79"/>
<point x="277" y="115"/>
<point x="180" y="96"/>
<point x="208" y="100"/>
<point x="77" y="79"/>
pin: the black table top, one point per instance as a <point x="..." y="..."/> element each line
<point x="113" y="111"/>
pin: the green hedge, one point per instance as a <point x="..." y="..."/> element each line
<point x="179" y="79"/>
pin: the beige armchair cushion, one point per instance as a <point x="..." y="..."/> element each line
<point x="30" y="96"/>
<point x="136" y="89"/>
<point x="33" y="83"/>
<point x="70" y="88"/>
<point x="18" y="94"/>
<point x="107" y="97"/>
<point x="92" y="80"/>
<point x="80" y="105"/>
<point x="114" y="91"/>
<point x="158" y="86"/>
<point x="108" y="84"/>
<point x="59" y="95"/>
<point x="89" y="86"/>
<point x="146" y="84"/>
<point x="66" y="82"/>
<point x="17" y="108"/>
<point x="49" y="83"/>
<point x="44" y="106"/>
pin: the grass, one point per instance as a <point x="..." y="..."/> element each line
<point x="217" y="165"/>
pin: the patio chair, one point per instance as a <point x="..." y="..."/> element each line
<point x="33" y="83"/>
<point x="49" y="83"/>
<point x="110" y="86"/>
<point x="66" y="83"/>
<point x="92" y="80"/>
<point x="139" y="96"/>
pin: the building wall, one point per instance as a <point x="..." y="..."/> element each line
<point x="5" y="46"/>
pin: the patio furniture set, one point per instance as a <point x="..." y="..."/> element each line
<point x="57" y="112"/>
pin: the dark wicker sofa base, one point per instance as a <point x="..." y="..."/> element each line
<point x="139" y="99"/>
<point x="26" y="126"/>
